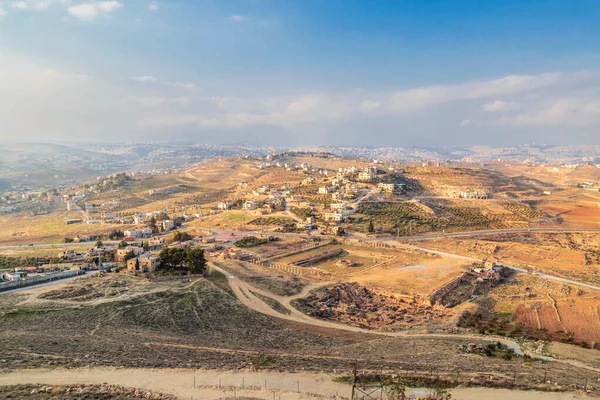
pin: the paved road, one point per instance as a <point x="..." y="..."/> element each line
<point x="57" y="245"/>
<point x="471" y="259"/>
<point x="55" y="282"/>
<point x="495" y="232"/>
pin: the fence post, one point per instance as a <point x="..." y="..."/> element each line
<point x="298" y="386"/>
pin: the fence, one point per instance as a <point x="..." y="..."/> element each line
<point x="267" y="387"/>
<point x="36" y="280"/>
<point x="263" y="262"/>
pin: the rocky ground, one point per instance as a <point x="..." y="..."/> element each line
<point x="79" y="392"/>
<point x="360" y="306"/>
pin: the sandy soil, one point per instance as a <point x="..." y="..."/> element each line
<point x="186" y="384"/>
<point x="421" y="278"/>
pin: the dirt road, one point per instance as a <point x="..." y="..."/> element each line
<point x="243" y="291"/>
<point x="213" y="385"/>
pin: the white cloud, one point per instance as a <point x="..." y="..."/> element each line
<point x="559" y="112"/>
<point x="153" y="6"/>
<point x="90" y="11"/>
<point x="238" y="18"/>
<point x="19" y="4"/>
<point x="144" y="78"/>
<point x="155" y="101"/>
<point x="251" y="112"/>
<point x="420" y="98"/>
<point x="2" y="12"/>
<point x="499" y="105"/>
<point x="79" y="105"/>
<point x="370" y="106"/>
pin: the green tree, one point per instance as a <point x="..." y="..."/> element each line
<point x="371" y="227"/>
<point x="68" y="240"/>
<point x="152" y="224"/>
<point x="162" y="217"/>
<point x="171" y="258"/>
<point x="99" y="243"/>
<point x="116" y="234"/>
<point x="129" y="256"/>
<point x="137" y="264"/>
<point x="146" y="246"/>
<point x="182" y="236"/>
<point x="195" y="260"/>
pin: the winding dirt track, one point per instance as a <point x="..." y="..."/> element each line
<point x="243" y="291"/>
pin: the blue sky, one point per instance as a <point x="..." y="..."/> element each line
<point x="301" y="72"/>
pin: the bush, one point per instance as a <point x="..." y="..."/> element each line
<point x="251" y="241"/>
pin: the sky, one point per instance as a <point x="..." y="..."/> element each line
<point x="301" y="72"/>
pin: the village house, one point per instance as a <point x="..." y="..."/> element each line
<point x="366" y="176"/>
<point x="250" y="205"/>
<point x="224" y="205"/>
<point x="387" y="187"/>
<point x="136" y="233"/>
<point x="168" y="225"/>
<point x="145" y="262"/>
<point x="326" y="189"/>
<point x="339" y="206"/>
<point x="337" y="196"/>
<point x="336" y="217"/>
<point x="121" y="253"/>
<point x="351" y="188"/>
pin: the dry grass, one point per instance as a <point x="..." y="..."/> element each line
<point x="48" y="228"/>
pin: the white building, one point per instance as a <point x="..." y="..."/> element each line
<point x="250" y="205"/>
<point x="326" y="189"/>
<point x="136" y="233"/>
<point x="365" y="176"/>
<point x="339" y="206"/>
<point x="168" y="225"/>
<point x="224" y="205"/>
<point x="336" y="216"/>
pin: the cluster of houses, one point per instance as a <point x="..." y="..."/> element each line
<point x="469" y="194"/>
<point x="490" y="271"/>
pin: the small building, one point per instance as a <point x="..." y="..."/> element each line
<point x="121" y="253"/>
<point x="136" y="233"/>
<point x="337" y="196"/>
<point x="250" y="205"/>
<point x="366" y="176"/>
<point x="326" y="189"/>
<point x="224" y="205"/>
<point x="336" y="216"/>
<point x="387" y="187"/>
<point x="339" y="206"/>
<point x="168" y="225"/>
<point x="145" y="262"/>
<point x="73" y="221"/>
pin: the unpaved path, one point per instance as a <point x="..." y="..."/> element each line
<point x="213" y="385"/>
<point x="243" y="291"/>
